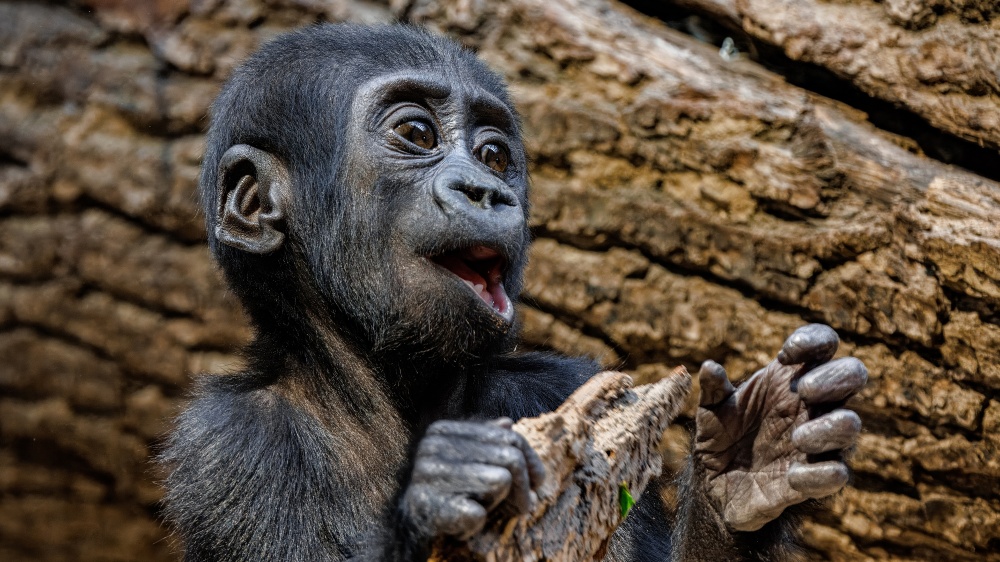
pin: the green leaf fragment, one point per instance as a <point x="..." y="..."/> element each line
<point x="625" y="499"/>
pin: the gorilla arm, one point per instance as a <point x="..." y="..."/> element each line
<point x="772" y="443"/>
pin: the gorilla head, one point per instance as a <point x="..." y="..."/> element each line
<point x="370" y="185"/>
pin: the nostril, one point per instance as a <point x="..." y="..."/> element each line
<point x="504" y="197"/>
<point x="481" y="195"/>
<point x="474" y="194"/>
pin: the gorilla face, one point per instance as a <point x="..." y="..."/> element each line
<point x="372" y="183"/>
<point x="438" y="159"/>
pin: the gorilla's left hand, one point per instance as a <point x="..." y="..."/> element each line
<point x="778" y="439"/>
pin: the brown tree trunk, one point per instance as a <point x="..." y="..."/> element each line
<point x="687" y="205"/>
<point x="938" y="58"/>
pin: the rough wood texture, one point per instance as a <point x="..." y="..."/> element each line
<point x="605" y="435"/>
<point x="939" y="58"/>
<point x="685" y="208"/>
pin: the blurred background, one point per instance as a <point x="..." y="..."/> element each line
<point x="708" y="175"/>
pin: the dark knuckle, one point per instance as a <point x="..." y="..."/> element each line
<point x="508" y="437"/>
<point x="510" y="456"/>
<point x="434" y="442"/>
<point x="441" y="427"/>
<point x="497" y="478"/>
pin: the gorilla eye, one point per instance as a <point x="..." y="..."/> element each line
<point x="494" y="156"/>
<point x="419" y="133"/>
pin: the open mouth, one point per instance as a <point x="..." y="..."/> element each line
<point x="481" y="269"/>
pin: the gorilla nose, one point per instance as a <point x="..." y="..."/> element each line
<point x="460" y="192"/>
<point x="485" y="197"/>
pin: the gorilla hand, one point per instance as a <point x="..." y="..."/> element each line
<point x="778" y="439"/>
<point x="464" y="470"/>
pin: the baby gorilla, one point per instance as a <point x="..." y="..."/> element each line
<point x="365" y="190"/>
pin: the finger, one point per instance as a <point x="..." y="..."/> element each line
<point x="812" y="343"/>
<point x="505" y="423"/>
<point x="715" y="385"/>
<point x="464" y="519"/>
<point x="830" y="432"/>
<point x="818" y="480"/>
<point x="460" y="450"/>
<point x="456" y="516"/>
<point x="536" y="469"/>
<point x="494" y="432"/>
<point x="487" y="432"/>
<point x="486" y="483"/>
<point x="437" y="514"/>
<point x="834" y="381"/>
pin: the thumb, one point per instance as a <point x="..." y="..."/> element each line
<point x="715" y="385"/>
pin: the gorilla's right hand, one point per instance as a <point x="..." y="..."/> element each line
<point x="464" y="470"/>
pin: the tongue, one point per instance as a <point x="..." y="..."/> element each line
<point x="474" y="280"/>
<point x="489" y="288"/>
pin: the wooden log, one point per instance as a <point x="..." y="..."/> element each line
<point x="938" y="59"/>
<point x="598" y="447"/>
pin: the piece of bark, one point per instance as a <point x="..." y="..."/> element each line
<point x="602" y="439"/>
<point x="938" y="59"/>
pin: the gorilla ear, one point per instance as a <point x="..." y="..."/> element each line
<point x="253" y="191"/>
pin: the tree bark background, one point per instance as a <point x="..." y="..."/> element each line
<point x="689" y="203"/>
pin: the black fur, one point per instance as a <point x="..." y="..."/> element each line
<point x="306" y="454"/>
